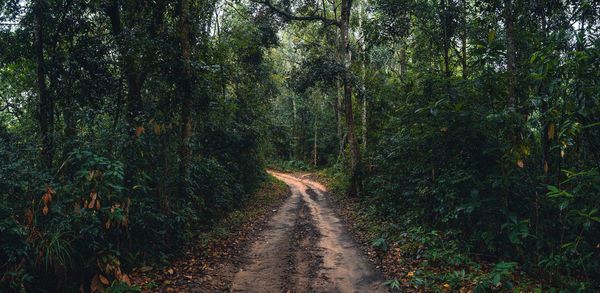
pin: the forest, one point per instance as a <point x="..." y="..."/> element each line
<point x="460" y="139"/>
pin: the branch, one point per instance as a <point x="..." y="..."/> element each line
<point x="290" y="16"/>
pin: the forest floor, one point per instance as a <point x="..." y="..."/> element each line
<point x="284" y="242"/>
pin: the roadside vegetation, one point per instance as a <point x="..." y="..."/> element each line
<point x="461" y="138"/>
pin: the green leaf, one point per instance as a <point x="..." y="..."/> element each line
<point x="491" y="36"/>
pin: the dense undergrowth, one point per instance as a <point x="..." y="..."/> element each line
<point x="127" y="129"/>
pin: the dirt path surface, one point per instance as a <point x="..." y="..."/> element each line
<point x="305" y="248"/>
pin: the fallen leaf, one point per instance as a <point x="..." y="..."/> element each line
<point x="145" y="269"/>
<point x="45" y="210"/>
<point x="170" y="271"/>
<point x="520" y="163"/>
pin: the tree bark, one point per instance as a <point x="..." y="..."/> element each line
<point x="186" y="91"/>
<point x="315" y="137"/>
<point x="363" y="73"/>
<point x="45" y="108"/>
<point x="446" y="39"/>
<point x="510" y="53"/>
<point x="350" y="127"/>
<point x="134" y="80"/>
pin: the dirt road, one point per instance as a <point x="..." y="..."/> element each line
<point x="305" y="248"/>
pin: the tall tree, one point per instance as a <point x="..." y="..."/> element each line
<point x="133" y="76"/>
<point x="45" y="112"/>
<point x="343" y="25"/>
<point x="186" y="90"/>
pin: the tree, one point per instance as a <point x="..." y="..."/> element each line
<point x="46" y="107"/>
<point x="343" y="25"/>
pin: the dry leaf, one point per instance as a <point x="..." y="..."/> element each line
<point x="50" y="190"/>
<point x="97" y="204"/>
<point x="45" y="210"/>
<point x="145" y="269"/>
<point x="103" y="279"/>
<point x="125" y="279"/>
<point x="95" y="284"/>
<point x="170" y="271"/>
<point x="562" y="153"/>
<point x="551" y="131"/>
<point x="520" y="163"/>
<point x="545" y="167"/>
<point x="91" y="175"/>
<point x="156" y="129"/>
<point x="139" y="130"/>
<point x="91" y="205"/>
<point x="28" y="217"/>
<point x="108" y="224"/>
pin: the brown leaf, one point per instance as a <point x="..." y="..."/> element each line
<point x="125" y="279"/>
<point x="91" y="205"/>
<point x="108" y="224"/>
<point x="97" y="204"/>
<point x="562" y="153"/>
<point x="103" y="279"/>
<point x="545" y="167"/>
<point x="520" y="163"/>
<point x="139" y="130"/>
<point x="45" y="210"/>
<point x="95" y="285"/>
<point x="46" y="198"/>
<point x="156" y="129"/>
<point x="50" y="190"/>
<point x="170" y="271"/>
<point x="28" y="217"/>
<point x="145" y="269"/>
<point x="93" y="195"/>
<point x="91" y="175"/>
<point x="551" y="131"/>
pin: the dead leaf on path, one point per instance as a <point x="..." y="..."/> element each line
<point x="145" y="269"/>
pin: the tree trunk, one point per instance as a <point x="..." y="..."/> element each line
<point x="510" y="53"/>
<point x="296" y="152"/>
<point x="463" y="40"/>
<point x="340" y="126"/>
<point x="315" y="141"/>
<point x="363" y="73"/>
<point x="350" y="127"/>
<point x="45" y="109"/>
<point x="446" y="39"/>
<point x="134" y="82"/>
<point x="186" y="91"/>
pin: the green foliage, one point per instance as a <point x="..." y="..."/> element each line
<point x="105" y="188"/>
